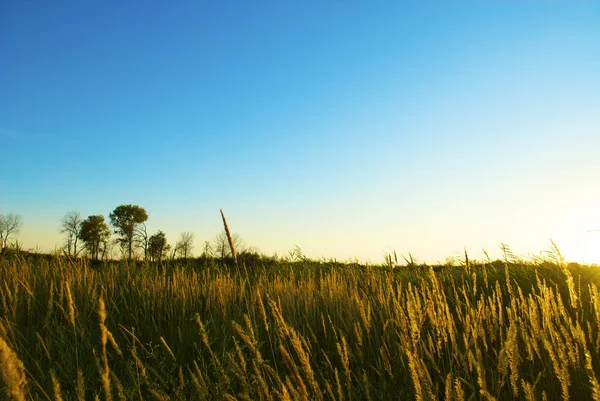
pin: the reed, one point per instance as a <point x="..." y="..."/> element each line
<point x="299" y="330"/>
<point x="13" y="372"/>
<point x="229" y="239"/>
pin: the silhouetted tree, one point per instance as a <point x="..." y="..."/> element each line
<point x="9" y="224"/>
<point x="185" y="244"/>
<point x="70" y="225"/>
<point x="207" y="251"/>
<point x="142" y="238"/>
<point x="94" y="232"/>
<point x="157" y="246"/>
<point x="125" y="219"/>
<point x="221" y="244"/>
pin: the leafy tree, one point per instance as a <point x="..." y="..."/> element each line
<point x="125" y="219"/>
<point x="9" y="224"/>
<point x="70" y="225"/>
<point x="157" y="246"/>
<point x="94" y="232"/>
<point x="184" y="245"/>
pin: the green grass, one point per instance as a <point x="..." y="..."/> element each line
<point x="301" y="330"/>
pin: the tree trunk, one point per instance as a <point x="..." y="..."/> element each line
<point x="130" y="246"/>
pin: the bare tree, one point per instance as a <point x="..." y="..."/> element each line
<point x="207" y="252"/>
<point x="221" y="244"/>
<point x="185" y="245"/>
<point x="107" y="248"/>
<point x="9" y="224"/>
<point x="142" y="239"/>
<point x="70" y="226"/>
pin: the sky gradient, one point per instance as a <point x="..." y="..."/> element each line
<point x="348" y="128"/>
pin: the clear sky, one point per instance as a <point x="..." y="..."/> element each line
<point x="348" y="128"/>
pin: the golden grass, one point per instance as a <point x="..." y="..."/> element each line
<point x="298" y="331"/>
<point x="13" y="372"/>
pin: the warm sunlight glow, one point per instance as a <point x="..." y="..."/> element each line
<point x="399" y="185"/>
<point x="584" y="248"/>
<point x="348" y="129"/>
<point x="578" y="239"/>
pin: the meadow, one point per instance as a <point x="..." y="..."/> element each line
<point x="297" y="330"/>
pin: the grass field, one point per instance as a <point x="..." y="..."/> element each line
<point x="304" y="330"/>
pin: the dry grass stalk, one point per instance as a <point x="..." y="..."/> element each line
<point x="13" y="372"/>
<point x="105" y="371"/>
<point x="295" y="372"/>
<point x="164" y="343"/>
<point x="231" y="246"/>
<point x="80" y="386"/>
<point x="592" y="377"/>
<point x="56" y="386"/>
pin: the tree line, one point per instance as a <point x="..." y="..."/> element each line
<point x="94" y="236"/>
<point x="128" y="222"/>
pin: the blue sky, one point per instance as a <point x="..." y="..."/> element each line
<point x="348" y="128"/>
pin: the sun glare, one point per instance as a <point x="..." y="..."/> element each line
<point x="584" y="248"/>
<point x="579" y="237"/>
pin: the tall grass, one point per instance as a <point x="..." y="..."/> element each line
<point x="298" y="331"/>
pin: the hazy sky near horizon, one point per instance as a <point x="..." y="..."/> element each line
<point x="348" y="128"/>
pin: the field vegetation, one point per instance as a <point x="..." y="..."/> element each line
<point x="297" y="329"/>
